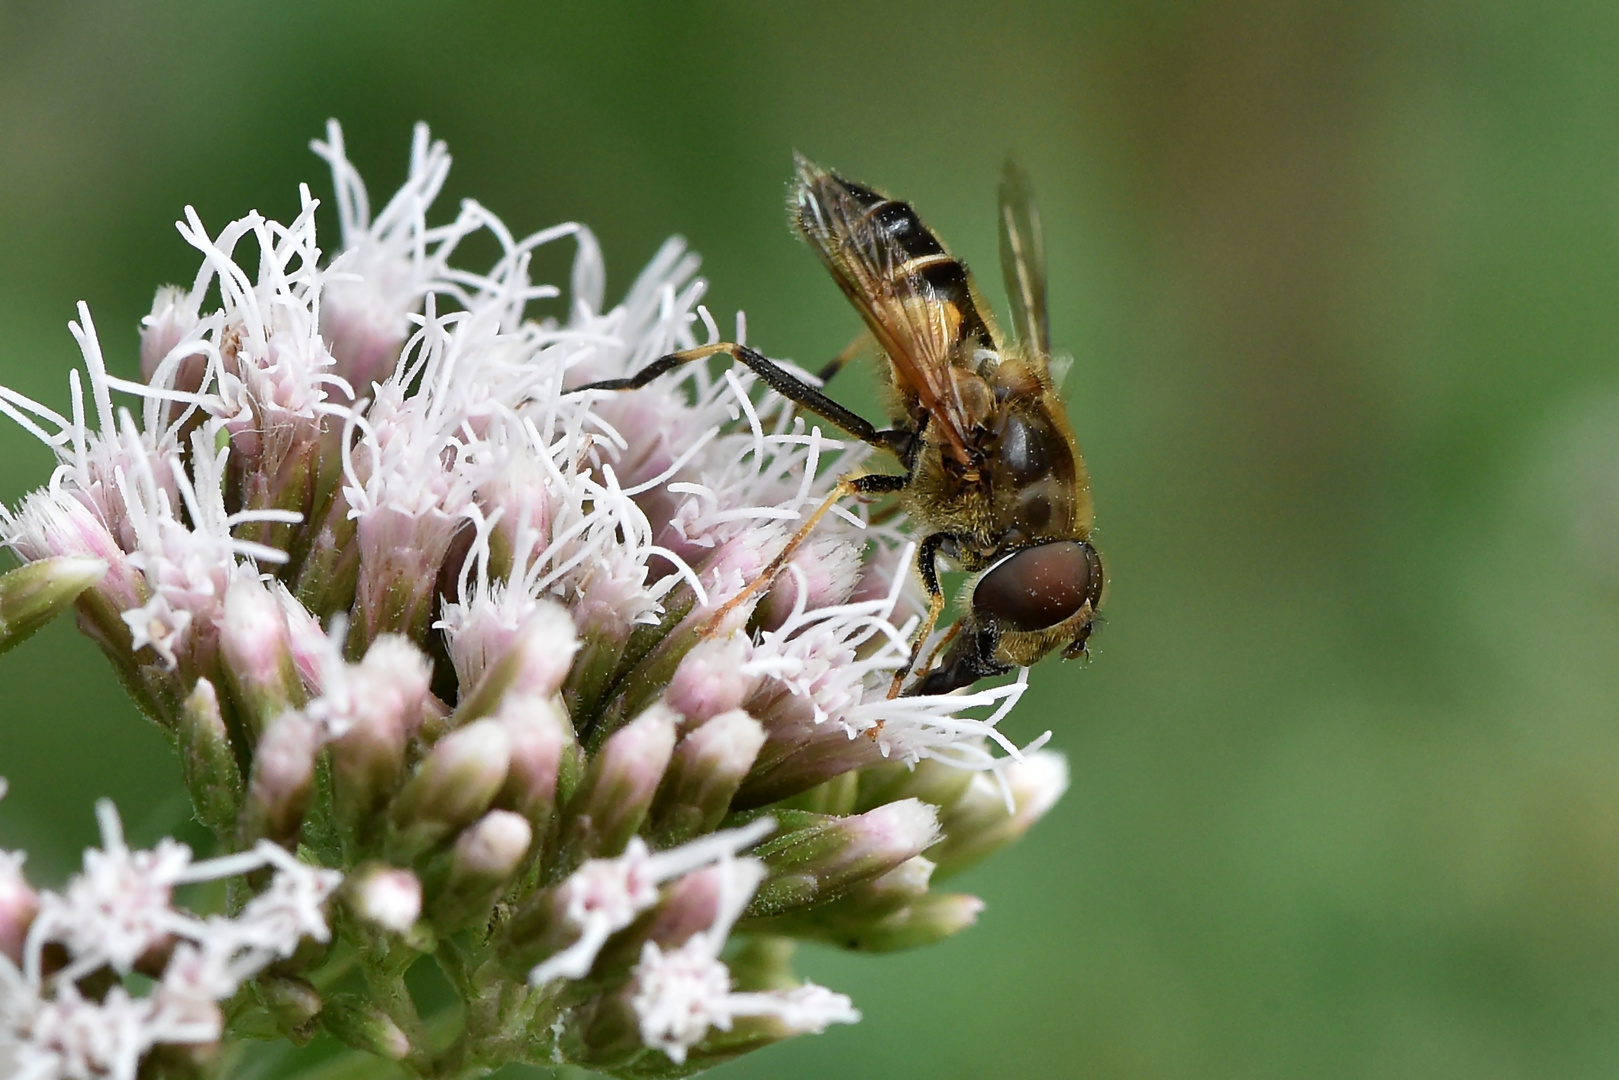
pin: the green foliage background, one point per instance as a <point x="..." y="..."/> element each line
<point x="1340" y="278"/>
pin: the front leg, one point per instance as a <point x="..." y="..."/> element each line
<point x="970" y="657"/>
<point x="927" y="568"/>
<point x="897" y="441"/>
<point x="865" y="484"/>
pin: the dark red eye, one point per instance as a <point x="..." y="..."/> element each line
<point x="1040" y="586"/>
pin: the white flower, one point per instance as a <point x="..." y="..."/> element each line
<point x="118" y="908"/>
<point x="121" y="909"/>
<point x="679" y="994"/>
<point x="387" y="264"/>
<point x="605" y="895"/>
<point x="290" y="909"/>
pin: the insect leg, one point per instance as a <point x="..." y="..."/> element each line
<point x="861" y="341"/>
<point x="776" y="377"/>
<point x="944" y="643"/>
<point x="867" y="484"/>
<point x="927" y="559"/>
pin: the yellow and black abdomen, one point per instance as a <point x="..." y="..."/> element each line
<point x="917" y="260"/>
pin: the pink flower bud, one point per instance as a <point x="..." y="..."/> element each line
<point x="306" y="639"/>
<point x="293" y="1002"/>
<point x="495" y="656"/>
<point x="822" y="861"/>
<point x="452" y="786"/>
<point x="283" y="775"/>
<point x="386" y="897"/>
<point x="617" y="789"/>
<point x="925" y="921"/>
<point x="372" y="708"/>
<point x="491" y="849"/>
<point x="540" y="735"/>
<point x="710" y="679"/>
<point x="979" y="824"/>
<point x="483" y="862"/>
<point x="208" y="759"/>
<point x="363" y="1025"/>
<point x="704" y="774"/>
<point x="254" y="640"/>
<point x="18" y="905"/>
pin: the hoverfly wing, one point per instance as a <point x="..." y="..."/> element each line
<point x="1023" y="262"/>
<point x="914" y="296"/>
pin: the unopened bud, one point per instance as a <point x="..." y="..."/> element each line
<point x="385" y="896"/>
<point x="886" y="893"/>
<point x="929" y="780"/>
<point x="710" y="679"/>
<point x="494" y="659"/>
<point x="329" y="577"/>
<point x="361" y="1024"/>
<point x="456" y="782"/>
<point x="283" y="777"/>
<point x="543" y="748"/>
<point x="34" y="594"/>
<point x="800" y="753"/>
<point x="374" y="714"/>
<point x="367" y="765"/>
<point x="482" y="863"/>
<point x="292" y="1003"/>
<point x="492" y="848"/>
<point x="306" y="639"/>
<point x="208" y="761"/>
<point x="885" y="914"/>
<point x="707" y="768"/>
<point x="979" y="825"/>
<point x="925" y="921"/>
<point x="824" y="857"/>
<point x="253" y="637"/>
<point x="19" y="903"/>
<point x="761" y="962"/>
<point x="616" y="790"/>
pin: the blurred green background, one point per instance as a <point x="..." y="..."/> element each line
<point x="1340" y="278"/>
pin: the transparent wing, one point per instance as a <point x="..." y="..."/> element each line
<point x="881" y="264"/>
<point x="1023" y="261"/>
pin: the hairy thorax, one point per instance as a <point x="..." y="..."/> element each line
<point x="1021" y="483"/>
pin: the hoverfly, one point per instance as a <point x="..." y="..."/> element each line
<point x="992" y="472"/>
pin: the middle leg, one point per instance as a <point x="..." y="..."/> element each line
<point x="927" y="567"/>
<point x="896" y="441"/>
<point x="867" y="484"/>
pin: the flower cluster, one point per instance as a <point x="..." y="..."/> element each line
<point x="57" y="1019"/>
<point x="530" y="668"/>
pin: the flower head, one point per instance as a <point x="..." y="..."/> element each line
<point x="539" y="672"/>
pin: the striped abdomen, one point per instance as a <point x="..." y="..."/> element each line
<point x="886" y="238"/>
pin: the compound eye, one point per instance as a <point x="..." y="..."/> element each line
<point x="1039" y="586"/>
